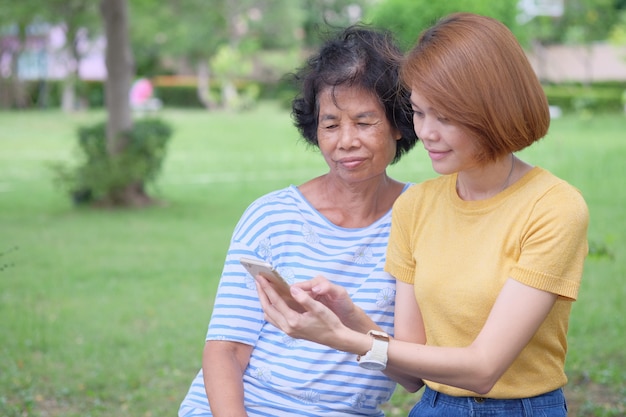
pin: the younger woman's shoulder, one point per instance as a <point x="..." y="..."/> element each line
<point x="547" y="183"/>
<point x="417" y="190"/>
<point x="555" y="193"/>
<point x="422" y="194"/>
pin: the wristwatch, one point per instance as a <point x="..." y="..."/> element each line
<point x="376" y="358"/>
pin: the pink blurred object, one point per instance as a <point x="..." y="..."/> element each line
<point x="141" y="97"/>
<point x="140" y="92"/>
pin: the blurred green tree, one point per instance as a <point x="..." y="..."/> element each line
<point x="80" y="22"/>
<point x="190" y="34"/>
<point x="582" y="22"/>
<point x="408" y="18"/>
<point x="319" y="15"/>
<point x="15" y="18"/>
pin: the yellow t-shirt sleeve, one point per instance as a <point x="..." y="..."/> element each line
<point x="555" y="243"/>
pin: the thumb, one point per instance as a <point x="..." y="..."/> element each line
<point x="297" y="293"/>
<point x="302" y="297"/>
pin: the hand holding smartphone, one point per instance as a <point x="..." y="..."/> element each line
<point x="257" y="267"/>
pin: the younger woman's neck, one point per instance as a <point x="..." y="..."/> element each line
<point x="487" y="181"/>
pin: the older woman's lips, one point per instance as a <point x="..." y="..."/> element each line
<point x="351" y="162"/>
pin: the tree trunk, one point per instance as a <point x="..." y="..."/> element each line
<point x="204" y="85"/>
<point x="119" y="63"/>
<point x="18" y="89"/>
<point x="69" y="98"/>
<point x="120" y="72"/>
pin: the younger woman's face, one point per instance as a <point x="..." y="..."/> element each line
<point x="449" y="146"/>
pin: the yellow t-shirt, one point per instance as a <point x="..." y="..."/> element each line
<point x="458" y="254"/>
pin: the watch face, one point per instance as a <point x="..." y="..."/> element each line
<point x="372" y="365"/>
<point x="379" y="335"/>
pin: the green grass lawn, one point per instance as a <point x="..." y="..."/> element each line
<point x="103" y="313"/>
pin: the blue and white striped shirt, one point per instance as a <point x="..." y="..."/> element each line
<point x="289" y="376"/>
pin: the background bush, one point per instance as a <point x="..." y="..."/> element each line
<point x="597" y="97"/>
<point x="99" y="174"/>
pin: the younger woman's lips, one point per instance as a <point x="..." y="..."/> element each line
<point x="436" y="156"/>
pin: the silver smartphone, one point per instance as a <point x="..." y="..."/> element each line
<point x="257" y="267"/>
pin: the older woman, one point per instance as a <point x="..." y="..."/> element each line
<point x="352" y="107"/>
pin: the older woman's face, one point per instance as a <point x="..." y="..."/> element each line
<point x="354" y="135"/>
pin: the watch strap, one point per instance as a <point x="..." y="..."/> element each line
<point x="376" y="357"/>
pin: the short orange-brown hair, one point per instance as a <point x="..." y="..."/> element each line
<point x="472" y="69"/>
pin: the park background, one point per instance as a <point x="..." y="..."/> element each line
<point x="104" y="299"/>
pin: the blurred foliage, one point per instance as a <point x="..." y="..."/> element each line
<point x="583" y="21"/>
<point x="98" y="174"/>
<point x="222" y="42"/>
<point x="618" y="33"/>
<point x="578" y="98"/>
<point x="407" y="18"/>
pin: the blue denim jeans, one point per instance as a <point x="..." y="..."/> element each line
<point x="433" y="403"/>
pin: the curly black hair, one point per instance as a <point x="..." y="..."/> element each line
<point x="362" y="57"/>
